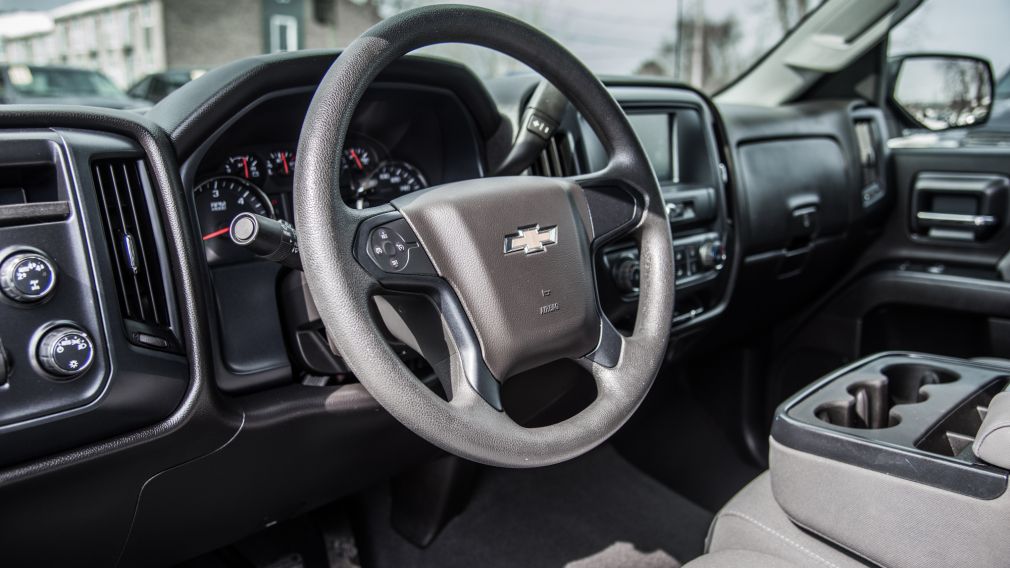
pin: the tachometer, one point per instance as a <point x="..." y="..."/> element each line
<point x="218" y="201"/>
<point x="389" y="181"/>
<point x="245" y="166"/>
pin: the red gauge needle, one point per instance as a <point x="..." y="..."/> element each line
<point x="245" y="166"/>
<point x="357" y="160"/>
<point x="216" y="233"/>
<point x="284" y="160"/>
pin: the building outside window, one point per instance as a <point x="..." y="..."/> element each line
<point x="283" y="33"/>
<point x="130" y="39"/>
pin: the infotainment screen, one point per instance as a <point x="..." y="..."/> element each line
<point x="656" y="133"/>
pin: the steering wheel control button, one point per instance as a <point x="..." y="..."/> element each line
<point x="393" y="248"/>
<point x="27" y="277"/>
<point x="389" y="249"/>
<point x="65" y="352"/>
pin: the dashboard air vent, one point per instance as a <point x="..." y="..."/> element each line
<point x="132" y="246"/>
<point x="557" y="159"/>
<point x="868" y="139"/>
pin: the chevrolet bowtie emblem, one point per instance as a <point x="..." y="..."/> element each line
<point x="531" y="239"/>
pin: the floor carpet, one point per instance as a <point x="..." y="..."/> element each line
<point x="596" y="511"/>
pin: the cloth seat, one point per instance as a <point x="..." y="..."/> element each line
<point x="739" y="559"/>
<point x="753" y="531"/>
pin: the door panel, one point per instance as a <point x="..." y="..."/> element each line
<point x="914" y="289"/>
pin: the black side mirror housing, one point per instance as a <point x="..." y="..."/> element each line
<point x="939" y="91"/>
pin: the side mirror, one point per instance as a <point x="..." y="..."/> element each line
<point x="940" y="92"/>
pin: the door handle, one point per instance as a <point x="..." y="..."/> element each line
<point x="936" y="219"/>
<point x="959" y="206"/>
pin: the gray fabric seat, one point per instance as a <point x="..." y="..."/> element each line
<point x="753" y="531"/>
<point x="739" y="559"/>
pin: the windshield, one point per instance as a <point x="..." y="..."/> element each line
<point x="706" y="43"/>
<point x="31" y="81"/>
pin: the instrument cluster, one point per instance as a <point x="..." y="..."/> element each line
<point x="259" y="180"/>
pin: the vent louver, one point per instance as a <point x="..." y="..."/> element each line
<point x="868" y="140"/>
<point x="557" y="159"/>
<point x="132" y="246"/>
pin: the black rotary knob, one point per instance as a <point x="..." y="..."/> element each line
<point x="712" y="254"/>
<point x="27" y="276"/>
<point x="626" y="275"/>
<point x="65" y="351"/>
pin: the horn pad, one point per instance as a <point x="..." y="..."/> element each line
<point x="517" y="252"/>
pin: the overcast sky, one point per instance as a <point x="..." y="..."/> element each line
<point x="974" y="27"/>
<point x="617" y="36"/>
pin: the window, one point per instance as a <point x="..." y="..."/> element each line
<point x="283" y="33"/>
<point x="707" y="43"/>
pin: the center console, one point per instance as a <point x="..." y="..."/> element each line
<point x="907" y="415"/>
<point x="676" y="128"/>
<point x="880" y="458"/>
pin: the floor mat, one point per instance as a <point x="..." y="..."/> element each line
<point x="673" y="439"/>
<point x="596" y="511"/>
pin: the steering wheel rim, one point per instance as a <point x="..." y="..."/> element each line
<point x="343" y="286"/>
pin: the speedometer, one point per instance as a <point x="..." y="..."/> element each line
<point x="389" y="181"/>
<point x="218" y="201"/>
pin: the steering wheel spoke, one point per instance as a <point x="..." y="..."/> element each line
<point x="390" y="251"/>
<point x="615" y="206"/>
<point x="608" y="350"/>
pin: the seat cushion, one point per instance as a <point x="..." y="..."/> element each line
<point x="753" y="521"/>
<point x="739" y="559"/>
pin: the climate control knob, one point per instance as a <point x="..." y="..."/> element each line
<point x="27" y="276"/>
<point x="65" y="351"/>
<point x="626" y="275"/>
<point x="712" y="254"/>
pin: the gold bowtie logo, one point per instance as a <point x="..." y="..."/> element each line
<point x="531" y="239"/>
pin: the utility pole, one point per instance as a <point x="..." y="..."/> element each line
<point x="678" y="50"/>
<point x="698" y="45"/>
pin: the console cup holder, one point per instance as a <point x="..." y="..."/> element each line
<point x="872" y="399"/>
<point x="905" y="381"/>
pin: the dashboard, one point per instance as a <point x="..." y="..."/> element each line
<point x="206" y="374"/>
<point x="405" y="138"/>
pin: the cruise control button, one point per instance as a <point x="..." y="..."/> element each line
<point x="393" y="248"/>
<point x="389" y="249"/>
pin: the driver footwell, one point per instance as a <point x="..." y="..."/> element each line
<point x="597" y="511"/>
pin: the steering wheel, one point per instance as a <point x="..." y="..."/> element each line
<point x="507" y="261"/>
